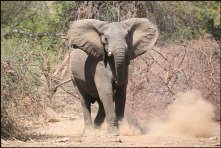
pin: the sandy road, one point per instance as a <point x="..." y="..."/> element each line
<point x="68" y="133"/>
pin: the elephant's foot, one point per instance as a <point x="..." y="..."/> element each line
<point x="88" y="130"/>
<point x="98" y="124"/>
<point x="113" y="131"/>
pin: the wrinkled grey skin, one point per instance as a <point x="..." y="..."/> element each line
<point x="104" y="78"/>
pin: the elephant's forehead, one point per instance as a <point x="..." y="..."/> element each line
<point x="114" y="29"/>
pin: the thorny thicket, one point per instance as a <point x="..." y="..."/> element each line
<point x="157" y="76"/>
<point x="26" y="81"/>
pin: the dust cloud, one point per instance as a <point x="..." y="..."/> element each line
<point x="188" y="115"/>
<point x="129" y="127"/>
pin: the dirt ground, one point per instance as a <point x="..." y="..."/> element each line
<point x="68" y="132"/>
<point x="64" y="127"/>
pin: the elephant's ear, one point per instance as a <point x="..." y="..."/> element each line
<point x="142" y="36"/>
<point x="85" y="35"/>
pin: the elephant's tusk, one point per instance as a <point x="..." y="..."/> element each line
<point x="109" y="54"/>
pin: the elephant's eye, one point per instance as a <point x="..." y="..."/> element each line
<point x="105" y="40"/>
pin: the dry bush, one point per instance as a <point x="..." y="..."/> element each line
<point x="19" y="99"/>
<point x="159" y="74"/>
<point x="26" y="74"/>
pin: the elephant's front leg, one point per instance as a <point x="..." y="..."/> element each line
<point x="86" y="107"/>
<point x="105" y="92"/>
<point x="120" y="101"/>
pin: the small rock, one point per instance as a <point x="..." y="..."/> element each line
<point x="72" y="118"/>
<point x="79" y="140"/>
<point x="64" y="139"/>
<point x="120" y="141"/>
<point x="212" y="138"/>
<point x="53" y="120"/>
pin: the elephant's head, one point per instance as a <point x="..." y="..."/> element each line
<point x="119" y="42"/>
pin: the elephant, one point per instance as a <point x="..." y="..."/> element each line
<point x="99" y="64"/>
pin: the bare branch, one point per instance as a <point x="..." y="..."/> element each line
<point x="162" y="56"/>
<point x="61" y="35"/>
<point x="182" y="59"/>
<point x="55" y="88"/>
<point x="157" y="62"/>
<point x="26" y="18"/>
<point x="70" y="93"/>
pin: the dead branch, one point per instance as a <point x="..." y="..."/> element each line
<point x="63" y="68"/>
<point x="60" y="85"/>
<point x="185" y="52"/>
<point x="154" y="49"/>
<point x="55" y="88"/>
<point x="26" y="18"/>
<point x="157" y="62"/>
<point x="69" y="93"/>
<point x="28" y="34"/>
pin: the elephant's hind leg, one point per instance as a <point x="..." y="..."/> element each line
<point x="100" y="115"/>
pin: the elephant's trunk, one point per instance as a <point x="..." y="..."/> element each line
<point x="119" y="59"/>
